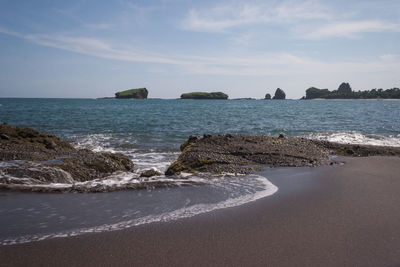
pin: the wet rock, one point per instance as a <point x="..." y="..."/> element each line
<point x="281" y="136"/>
<point x="50" y="144"/>
<point x="48" y="159"/>
<point x="236" y="154"/>
<point x="4" y="136"/>
<point x="239" y="153"/>
<point x="358" y="150"/>
<point x="193" y="138"/>
<point x="207" y="135"/>
<point x="32" y="173"/>
<point x="150" y="173"/>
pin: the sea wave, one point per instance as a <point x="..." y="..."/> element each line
<point x="353" y="137"/>
<point x="142" y="158"/>
<point x="98" y="142"/>
<point x="63" y="182"/>
<point x="239" y="191"/>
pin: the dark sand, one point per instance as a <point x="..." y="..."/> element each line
<point x="327" y="216"/>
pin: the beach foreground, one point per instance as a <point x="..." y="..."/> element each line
<point x="326" y="216"/>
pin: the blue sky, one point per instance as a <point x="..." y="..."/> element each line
<point x="244" y="48"/>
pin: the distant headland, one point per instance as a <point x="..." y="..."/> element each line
<point x="204" y="95"/>
<point x="345" y="92"/>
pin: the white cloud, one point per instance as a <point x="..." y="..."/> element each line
<point x="306" y="19"/>
<point x="283" y="65"/>
<point x="389" y="58"/>
<point x="95" y="47"/>
<point x="350" y="29"/>
<point x="222" y="17"/>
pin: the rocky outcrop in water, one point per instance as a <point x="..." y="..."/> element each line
<point x="204" y="95"/>
<point x="242" y="153"/>
<point x="279" y="94"/>
<point x="29" y="156"/>
<point x="150" y="173"/>
<point x="140" y="93"/>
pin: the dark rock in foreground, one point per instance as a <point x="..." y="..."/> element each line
<point x="45" y="158"/>
<point x="240" y="153"/>
<point x="150" y="173"/>
<point x="236" y="153"/>
<point x="354" y="150"/>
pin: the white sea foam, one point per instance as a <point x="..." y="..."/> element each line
<point x="95" y="142"/>
<point x="116" y="181"/>
<point x="142" y="159"/>
<point x="265" y="188"/>
<point x="352" y="137"/>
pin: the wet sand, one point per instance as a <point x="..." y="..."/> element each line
<point x="327" y="216"/>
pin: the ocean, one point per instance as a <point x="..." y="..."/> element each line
<point x="150" y="133"/>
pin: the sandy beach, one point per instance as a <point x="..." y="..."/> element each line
<point x="344" y="215"/>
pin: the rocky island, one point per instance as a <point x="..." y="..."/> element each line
<point x="279" y="95"/>
<point x="140" y="93"/>
<point x="204" y="95"/>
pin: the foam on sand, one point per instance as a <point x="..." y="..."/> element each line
<point x="236" y="191"/>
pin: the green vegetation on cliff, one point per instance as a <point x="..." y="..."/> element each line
<point x="140" y="93"/>
<point x="344" y="92"/>
<point x="203" y="95"/>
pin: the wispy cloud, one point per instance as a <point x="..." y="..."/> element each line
<point x="93" y="47"/>
<point x="266" y="64"/>
<point x="309" y="19"/>
<point x="223" y="17"/>
<point x="349" y="29"/>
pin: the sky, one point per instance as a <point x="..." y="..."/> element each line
<point x="89" y="49"/>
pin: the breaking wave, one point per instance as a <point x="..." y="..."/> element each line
<point x="143" y="158"/>
<point x="234" y="191"/>
<point x="353" y="137"/>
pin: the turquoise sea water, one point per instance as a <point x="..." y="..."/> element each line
<point x="165" y="124"/>
<point x="150" y="133"/>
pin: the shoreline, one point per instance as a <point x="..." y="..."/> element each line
<point x="326" y="216"/>
<point x="386" y="99"/>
